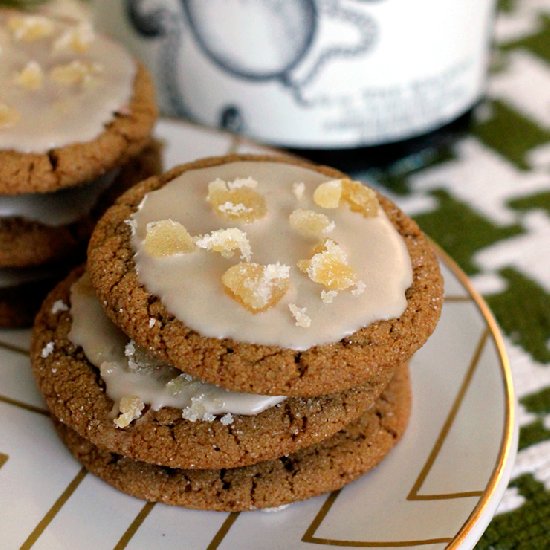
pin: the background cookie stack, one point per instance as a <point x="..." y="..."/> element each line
<point x="76" y="114"/>
<point x="249" y="423"/>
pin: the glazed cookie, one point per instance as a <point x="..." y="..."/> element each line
<point x="184" y="431"/>
<point x="320" y="468"/>
<point x="39" y="228"/>
<point x="93" y="103"/>
<point x="266" y="275"/>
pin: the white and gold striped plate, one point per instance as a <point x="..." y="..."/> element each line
<point x="438" y="488"/>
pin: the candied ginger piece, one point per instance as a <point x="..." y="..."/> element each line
<point x="131" y="407"/>
<point x="237" y="200"/>
<point x="302" y="319"/>
<point x="8" y="116"/>
<point x="76" y="73"/>
<point x="31" y="76"/>
<point x="328" y="194"/>
<point x="226" y="241"/>
<point x="360" y="198"/>
<point x="166" y="238"/>
<point x="309" y="223"/>
<point x="328" y="266"/>
<point x="30" y="27"/>
<point x="77" y="39"/>
<point x="257" y="287"/>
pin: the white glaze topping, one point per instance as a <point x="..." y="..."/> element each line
<point x="60" y="78"/>
<point x="128" y="371"/>
<point x="190" y="284"/>
<point x="59" y="208"/>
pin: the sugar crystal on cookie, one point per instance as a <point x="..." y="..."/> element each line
<point x="167" y="238"/>
<point x="257" y="287"/>
<point x="302" y="319"/>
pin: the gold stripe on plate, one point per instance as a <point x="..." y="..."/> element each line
<point x="14" y="349"/>
<point x="449" y="421"/>
<point x="21" y="405"/>
<point x="52" y="512"/>
<point x="134" y="526"/>
<point x="222" y="531"/>
<point x="457" y="299"/>
<point x="506" y="446"/>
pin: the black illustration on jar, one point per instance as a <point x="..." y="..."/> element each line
<point x="254" y="40"/>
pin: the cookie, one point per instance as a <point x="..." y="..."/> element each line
<point x="64" y="219"/>
<point x="94" y="104"/>
<point x="323" y="467"/>
<point x="75" y="394"/>
<point x="352" y="358"/>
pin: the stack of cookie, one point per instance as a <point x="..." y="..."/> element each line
<point x="240" y="336"/>
<point x="76" y="114"/>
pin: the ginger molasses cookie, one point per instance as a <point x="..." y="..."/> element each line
<point x="97" y="382"/>
<point x="317" y="469"/>
<point x="266" y="275"/>
<point x="39" y="228"/>
<point x="92" y="103"/>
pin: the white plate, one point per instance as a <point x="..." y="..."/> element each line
<point x="438" y="488"/>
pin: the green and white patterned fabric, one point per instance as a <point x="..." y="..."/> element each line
<point x="486" y="201"/>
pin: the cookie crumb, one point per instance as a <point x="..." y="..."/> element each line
<point x="58" y="306"/>
<point x="47" y="350"/>
<point x="302" y="319"/>
<point x="130" y="408"/>
<point x="227" y="419"/>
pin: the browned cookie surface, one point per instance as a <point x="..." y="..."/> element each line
<point x="28" y="243"/>
<point x="75" y="394"/>
<point x="352" y="361"/>
<point x="320" y="468"/>
<point x="122" y="138"/>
